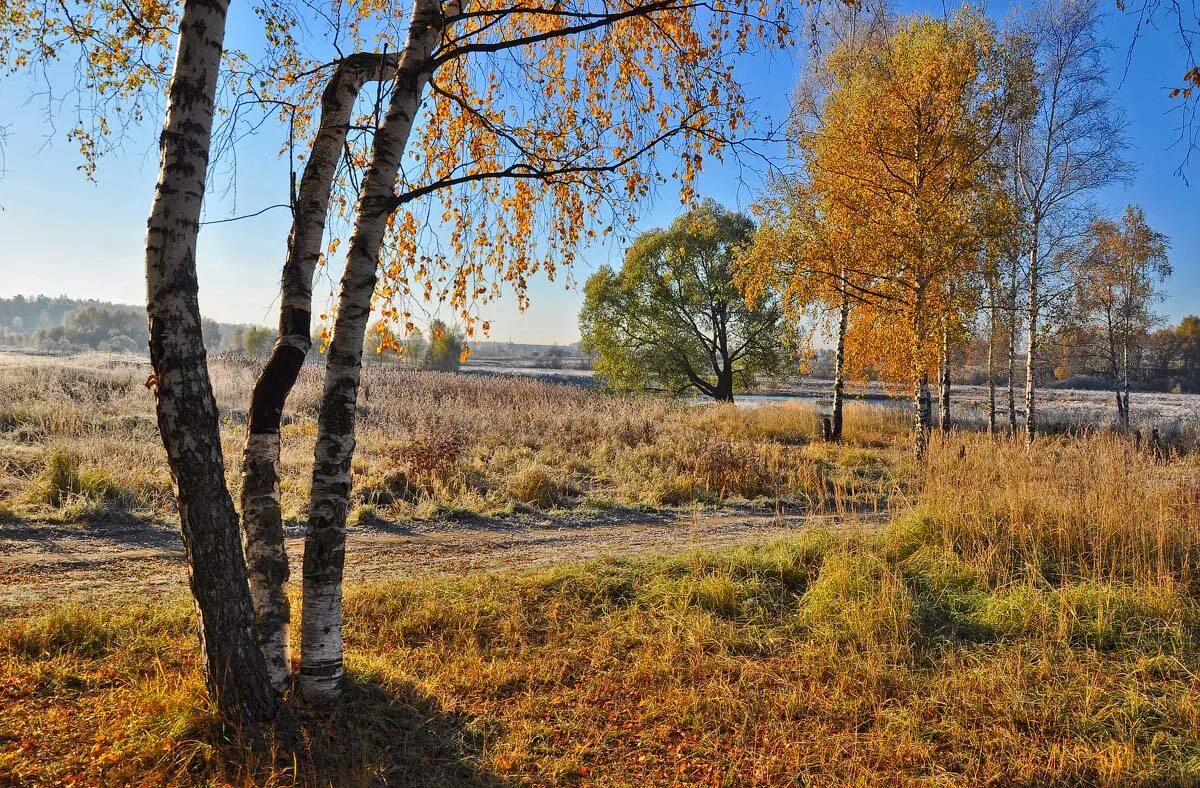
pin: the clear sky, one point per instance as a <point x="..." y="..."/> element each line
<point x="65" y="236"/>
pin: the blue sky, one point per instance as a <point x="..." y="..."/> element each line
<point x="65" y="236"/>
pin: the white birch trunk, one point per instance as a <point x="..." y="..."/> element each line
<point x="321" y="668"/>
<point x="262" y="519"/>
<point x="922" y="404"/>
<point x="839" y="371"/>
<point x="1031" y="357"/>
<point x="1125" y="382"/>
<point x="922" y="416"/>
<point x="991" y="360"/>
<point x="944" y="380"/>
<point x="187" y="412"/>
<point x="1012" y="355"/>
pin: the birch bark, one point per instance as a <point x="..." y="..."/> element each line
<point x="839" y="371"/>
<point x="187" y="412"/>
<point x="991" y="361"/>
<point x="1031" y="344"/>
<point x="321" y="668"/>
<point x="262" y="520"/>
<point x="944" y="380"/>
<point x="1012" y="354"/>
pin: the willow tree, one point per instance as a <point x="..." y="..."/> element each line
<point x="539" y="128"/>
<point x="673" y="320"/>
<point x="902" y="155"/>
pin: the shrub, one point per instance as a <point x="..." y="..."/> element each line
<point x="432" y="456"/>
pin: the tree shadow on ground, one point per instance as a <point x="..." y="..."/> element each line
<point x="128" y="529"/>
<point x="375" y="735"/>
<point x="524" y="518"/>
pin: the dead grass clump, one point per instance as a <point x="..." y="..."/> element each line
<point x="535" y="485"/>
<point x="432" y="457"/>
<point x="725" y="469"/>
<point x="64" y="479"/>
<point x="875" y="425"/>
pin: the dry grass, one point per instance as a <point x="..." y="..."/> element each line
<point x="830" y="658"/>
<point x="1028" y="617"/>
<point x="433" y="443"/>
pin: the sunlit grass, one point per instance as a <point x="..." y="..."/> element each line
<point x="832" y="658"/>
<point x="429" y="443"/>
<point x="1027" y="616"/>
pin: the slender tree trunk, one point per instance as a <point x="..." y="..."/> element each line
<point x="236" y="673"/>
<point x="262" y="520"/>
<point x="1012" y="353"/>
<point x="1125" y="385"/>
<point x="922" y="416"/>
<point x="991" y="361"/>
<point x="944" y="374"/>
<point x="839" y="370"/>
<point x="1031" y="359"/>
<point x="922" y="404"/>
<point x="325" y="542"/>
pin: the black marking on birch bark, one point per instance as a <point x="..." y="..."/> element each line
<point x="321" y="669"/>
<point x="270" y="393"/>
<point x="324" y="550"/>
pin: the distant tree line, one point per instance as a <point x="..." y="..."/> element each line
<point x="67" y="324"/>
<point x="1166" y="359"/>
<point x="70" y="324"/>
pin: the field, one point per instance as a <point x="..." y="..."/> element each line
<point x="762" y="608"/>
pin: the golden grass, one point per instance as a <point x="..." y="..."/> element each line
<point x="827" y="658"/>
<point x="431" y="443"/>
<point x="1029" y="616"/>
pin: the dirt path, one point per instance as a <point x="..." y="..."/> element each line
<point x="41" y="564"/>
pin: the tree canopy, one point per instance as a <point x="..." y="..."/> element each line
<point x="672" y="319"/>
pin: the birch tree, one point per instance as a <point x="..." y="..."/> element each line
<point x="123" y="59"/>
<point x="1116" y="271"/>
<point x="600" y="92"/>
<point x="903" y="155"/>
<point x="1068" y="144"/>
<point x="187" y="412"/>
<point x="262" y="521"/>
<point x="800" y="254"/>
<point x="812" y="267"/>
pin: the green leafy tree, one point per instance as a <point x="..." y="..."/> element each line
<point x="446" y="348"/>
<point x="257" y="341"/>
<point x="672" y="318"/>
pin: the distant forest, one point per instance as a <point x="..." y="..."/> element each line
<point x="64" y="324"/>
<point x="70" y="324"/>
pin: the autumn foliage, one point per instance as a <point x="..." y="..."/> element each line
<point x="889" y="210"/>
